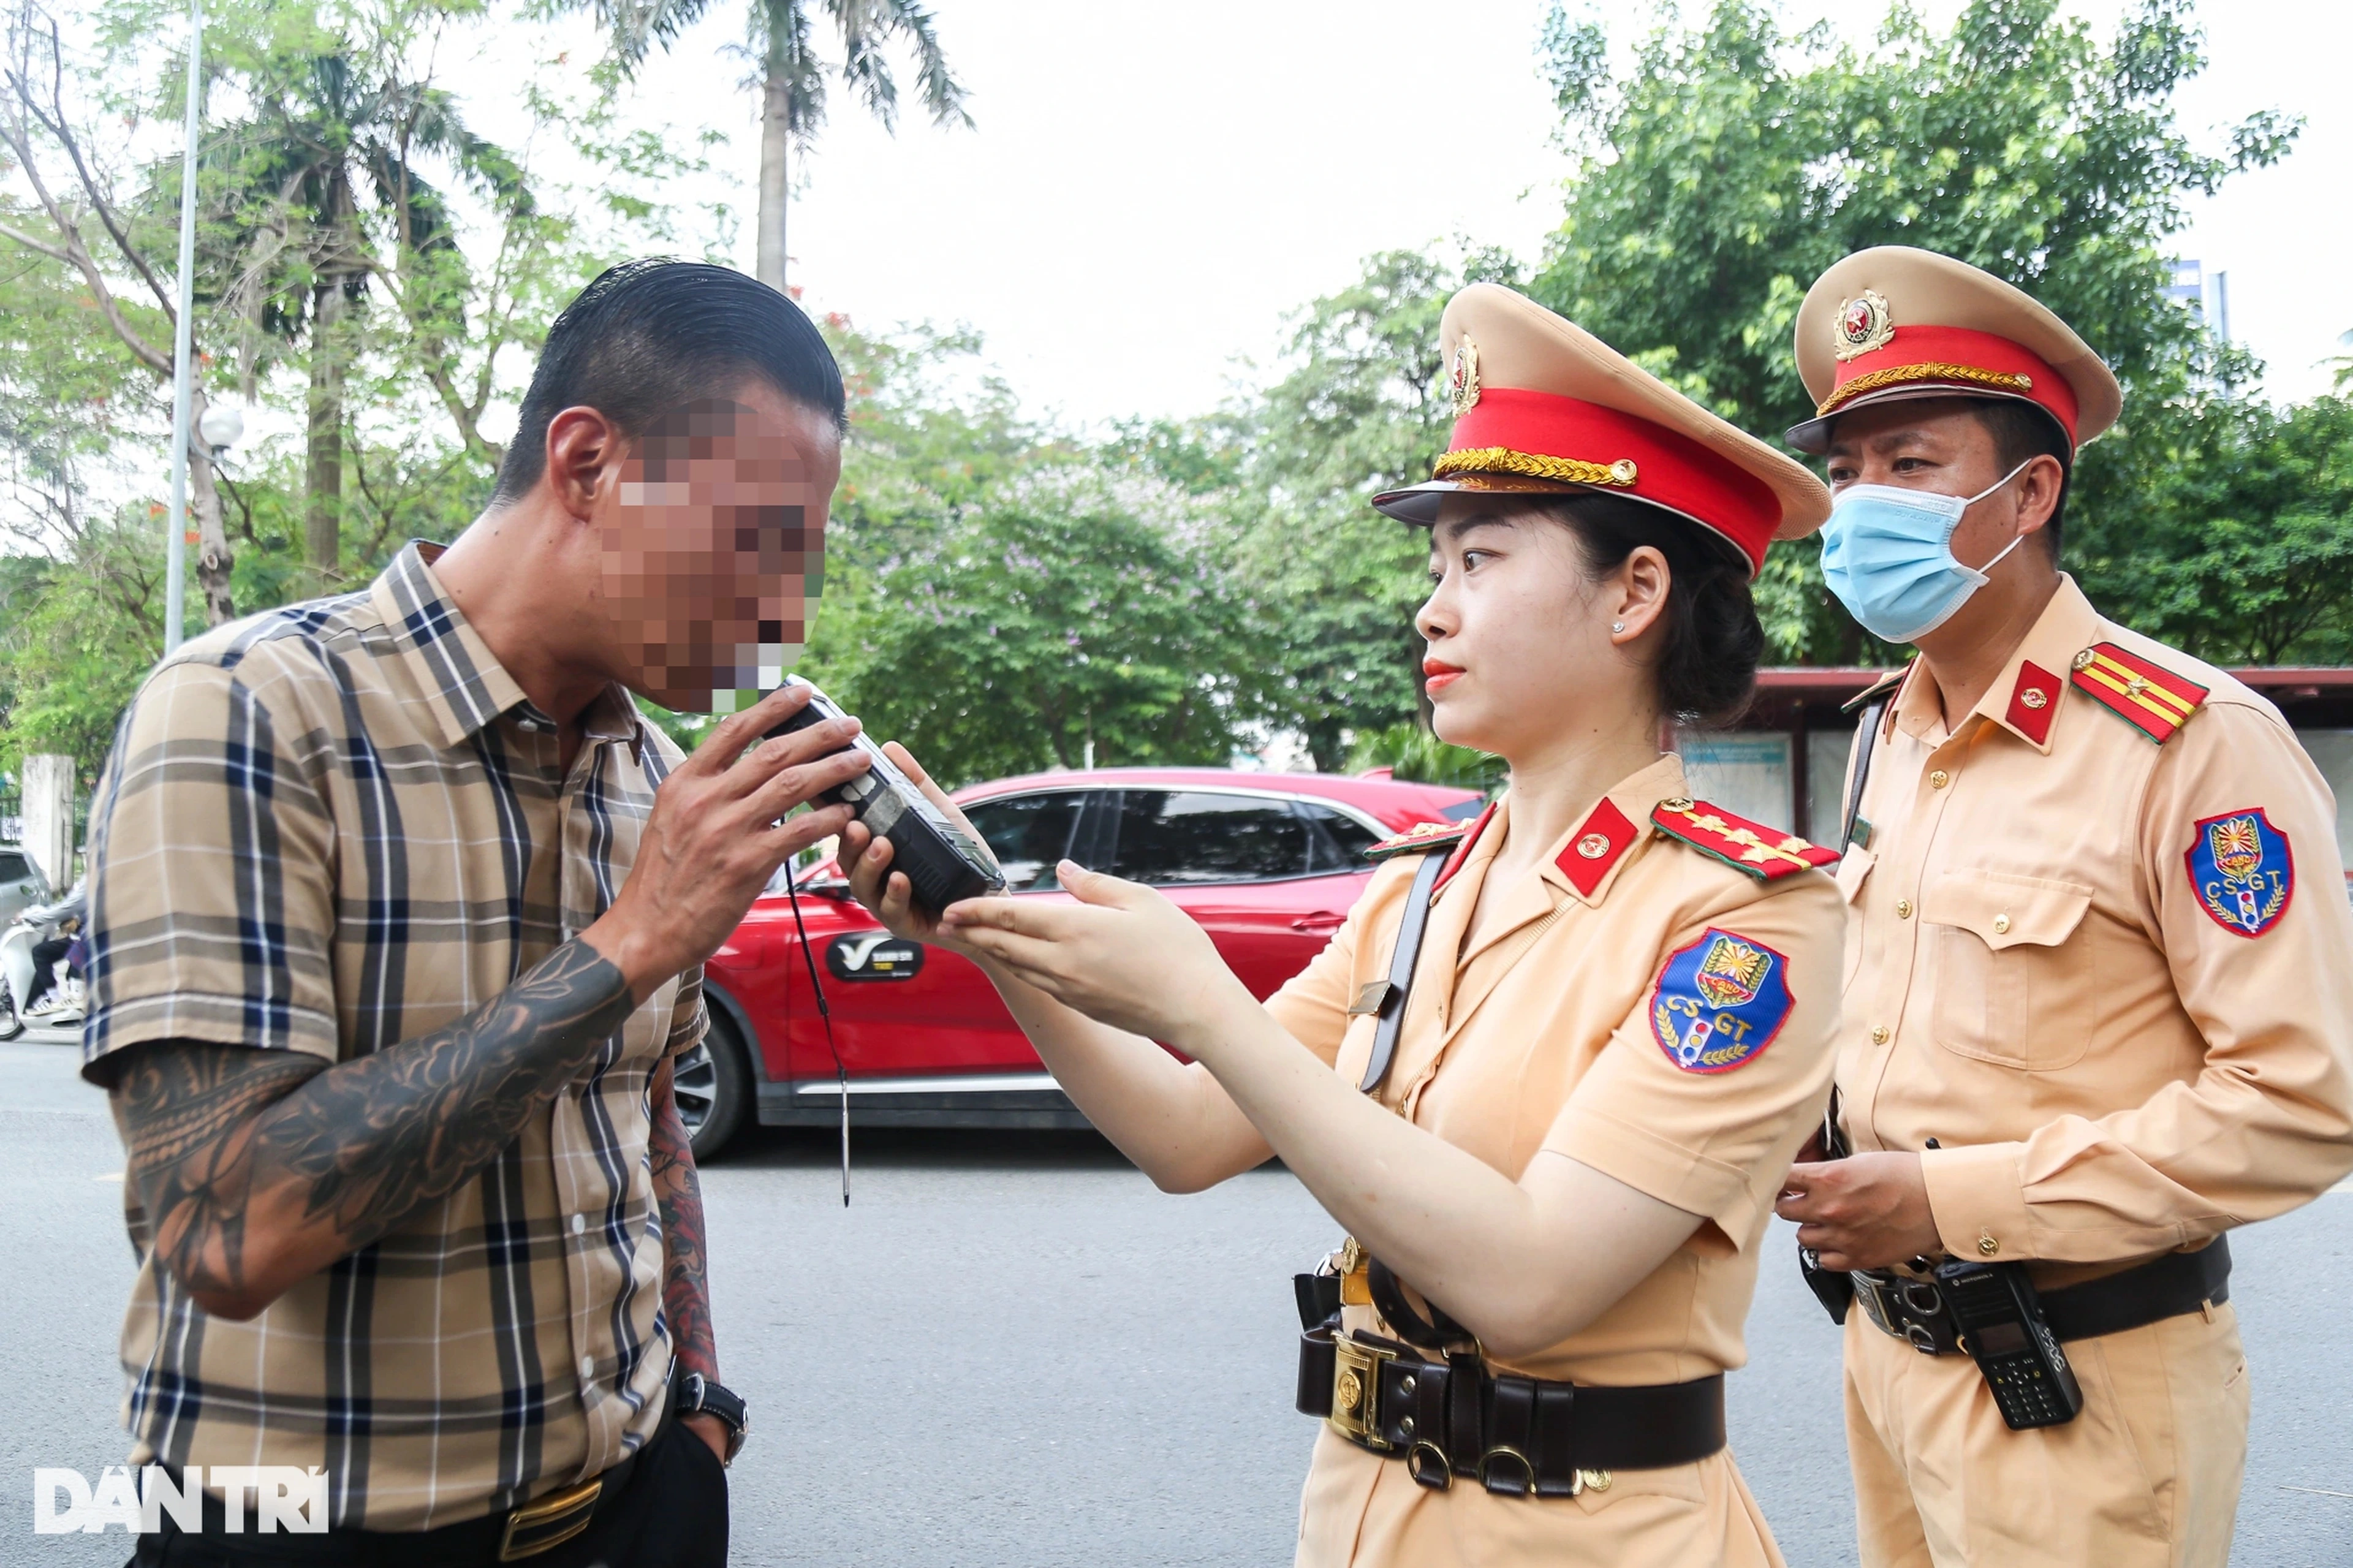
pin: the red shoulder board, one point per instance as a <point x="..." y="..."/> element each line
<point x="2154" y="701"/>
<point x="1421" y="835"/>
<point x="1763" y="852"/>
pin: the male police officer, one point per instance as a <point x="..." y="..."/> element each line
<point x="2098" y="972"/>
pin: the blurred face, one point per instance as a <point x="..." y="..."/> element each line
<point x="713" y="547"/>
<point x="1520" y="645"/>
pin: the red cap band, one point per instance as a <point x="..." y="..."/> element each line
<point x="1959" y="356"/>
<point x="1671" y="470"/>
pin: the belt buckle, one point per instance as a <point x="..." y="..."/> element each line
<point x="544" y="1523"/>
<point x="1874" y="1305"/>
<point x="1356" y="1391"/>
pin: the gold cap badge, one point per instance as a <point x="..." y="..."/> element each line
<point x="1463" y="383"/>
<point x="1863" y="324"/>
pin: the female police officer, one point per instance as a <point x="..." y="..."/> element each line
<point x="1620" y="1022"/>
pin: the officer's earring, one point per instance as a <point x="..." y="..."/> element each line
<point x="1616" y="627"/>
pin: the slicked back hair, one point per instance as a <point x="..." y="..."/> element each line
<point x="647" y="336"/>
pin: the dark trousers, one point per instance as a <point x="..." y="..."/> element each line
<point x="44" y="960"/>
<point x="672" y="1514"/>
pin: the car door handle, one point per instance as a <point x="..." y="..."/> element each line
<point x="1322" y="920"/>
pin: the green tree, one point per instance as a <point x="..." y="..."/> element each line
<point x="1073" y="615"/>
<point x="2266" y="575"/>
<point x="1738" y="160"/>
<point x="791" y="77"/>
<point x="334" y="178"/>
<point x="1334" y="583"/>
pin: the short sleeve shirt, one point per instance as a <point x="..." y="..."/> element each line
<point x="2109" y="973"/>
<point x="332" y="828"/>
<point x="1547" y="1036"/>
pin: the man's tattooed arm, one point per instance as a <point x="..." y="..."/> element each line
<point x="258" y="1168"/>
<point x="686" y="1294"/>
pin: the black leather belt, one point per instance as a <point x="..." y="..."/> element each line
<point x="1516" y="1435"/>
<point x="2167" y="1286"/>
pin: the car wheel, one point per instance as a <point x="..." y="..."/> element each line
<point x="713" y="1086"/>
<point x="11" y="1022"/>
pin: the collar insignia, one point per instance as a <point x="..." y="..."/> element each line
<point x="2030" y="702"/>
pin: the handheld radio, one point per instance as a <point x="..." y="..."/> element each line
<point x="2001" y="1326"/>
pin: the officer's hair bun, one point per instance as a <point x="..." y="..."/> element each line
<point x="1713" y="641"/>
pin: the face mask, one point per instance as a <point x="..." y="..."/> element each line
<point x="1887" y="554"/>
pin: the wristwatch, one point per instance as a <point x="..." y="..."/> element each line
<point x="697" y="1396"/>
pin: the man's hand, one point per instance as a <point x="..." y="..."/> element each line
<point x="1866" y="1211"/>
<point x="712" y="844"/>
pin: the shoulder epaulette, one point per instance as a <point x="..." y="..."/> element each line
<point x="1876" y="690"/>
<point x="1421" y="835"/>
<point x="2154" y="701"/>
<point x="1763" y="852"/>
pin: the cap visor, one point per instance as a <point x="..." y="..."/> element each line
<point x="1418" y="504"/>
<point x="1814" y="435"/>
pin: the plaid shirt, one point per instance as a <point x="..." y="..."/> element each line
<point x="330" y="828"/>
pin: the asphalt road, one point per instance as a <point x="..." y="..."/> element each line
<point x="1012" y="1350"/>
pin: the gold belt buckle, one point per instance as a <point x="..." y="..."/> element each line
<point x="1356" y="1391"/>
<point x="550" y="1521"/>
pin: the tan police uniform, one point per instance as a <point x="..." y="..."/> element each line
<point x="2101" y="952"/>
<point x="1656" y="1003"/>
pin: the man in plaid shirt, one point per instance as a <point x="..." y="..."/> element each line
<point x="399" y="910"/>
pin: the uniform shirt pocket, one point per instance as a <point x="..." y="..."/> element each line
<point x="2011" y="973"/>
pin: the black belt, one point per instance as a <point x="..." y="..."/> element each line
<point x="1516" y="1435"/>
<point x="2167" y="1287"/>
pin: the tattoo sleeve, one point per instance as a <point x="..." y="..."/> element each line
<point x="686" y="1293"/>
<point x="258" y="1168"/>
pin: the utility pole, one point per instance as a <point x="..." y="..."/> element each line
<point x="175" y="571"/>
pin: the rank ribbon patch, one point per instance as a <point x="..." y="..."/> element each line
<point x="2242" y="871"/>
<point x="1719" y="1002"/>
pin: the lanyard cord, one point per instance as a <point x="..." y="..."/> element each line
<point x="825" y="1016"/>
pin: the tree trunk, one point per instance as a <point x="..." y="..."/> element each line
<point x="775" y="187"/>
<point x="213" y="559"/>
<point x="323" y="509"/>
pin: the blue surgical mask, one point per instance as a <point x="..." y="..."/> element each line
<point x="1887" y="554"/>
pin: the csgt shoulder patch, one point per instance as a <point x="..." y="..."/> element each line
<point x="2242" y="871"/>
<point x="1719" y="1002"/>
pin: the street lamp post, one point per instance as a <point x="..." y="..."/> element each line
<point x="175" y="571"/>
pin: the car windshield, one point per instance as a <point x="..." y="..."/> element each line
<point x="1175" y="838"/>
<point x="1028" y="833"/>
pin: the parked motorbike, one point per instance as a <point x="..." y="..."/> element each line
<point x="58" y="999"/>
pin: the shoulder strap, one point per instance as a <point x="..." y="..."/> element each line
<point x="1765" y="853"/>
<point x="1866" y="740"/>
<point x="1386" y="998"/>
<point x="2150" y="698"/>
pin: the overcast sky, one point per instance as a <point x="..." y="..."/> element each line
<point x="1149" y="189"/>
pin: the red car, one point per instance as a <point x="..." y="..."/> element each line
<point x="1268" y="863"/>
